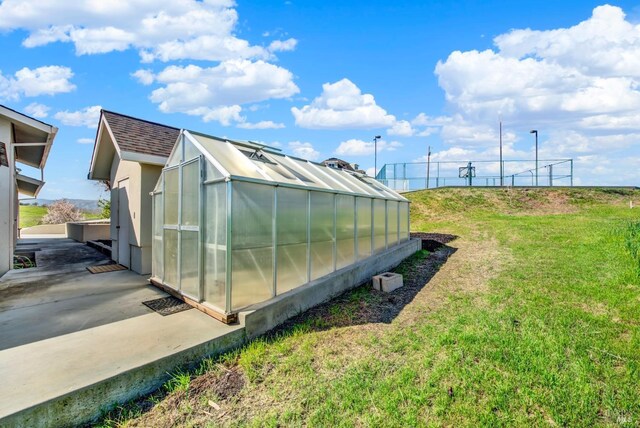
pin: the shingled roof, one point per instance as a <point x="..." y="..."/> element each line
<point x="141" y="136"/>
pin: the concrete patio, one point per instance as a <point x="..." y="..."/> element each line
<point x="72" y="342"/>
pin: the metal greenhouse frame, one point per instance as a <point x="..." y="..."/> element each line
<point x="238" y="223"/>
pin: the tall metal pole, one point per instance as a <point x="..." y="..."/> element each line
<point x="375" y="158"/>
<point x="501" y="164"/>
<point x="375" y="155"/>
<point x="535" y="131"/>
<point x="428" y="164"/>
<point x="537" y="158"/>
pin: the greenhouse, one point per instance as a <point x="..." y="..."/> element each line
<point x="238" y="223"/>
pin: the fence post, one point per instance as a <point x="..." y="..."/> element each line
<point x="571" y="172"/>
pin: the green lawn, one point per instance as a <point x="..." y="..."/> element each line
<point x="31" y="215"/>
<point x="534" y="320"/>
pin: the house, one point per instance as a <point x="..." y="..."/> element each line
<point x="337" y="163"/>
<point x="129" y="154"/>
<point x="27" y="141"/>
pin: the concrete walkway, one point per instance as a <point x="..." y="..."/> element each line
<point x="72" y="342"/>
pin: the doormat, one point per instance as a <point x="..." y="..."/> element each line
<point x="106" y="268"/>
<point x="167" y="305"/>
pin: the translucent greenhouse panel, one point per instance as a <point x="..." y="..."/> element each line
<point x="345" y="230"/>
<point x="212" y="172"/>
<point x="215" y="238"/>
<point x="157" y="268"/>
<point x="156" y="249"/>
<point x="190" y="151"/>
<point x="229" y="157"/>
<point x="252" y="244"/>
<point x="379" y="225"/>
<point x="344" y="179"/>
<point x="291" y="217"/>
<point x="171" y="196"/>
<point x="304" y="171"/>
<point x="170" y="263"/>
<point x="176" y="156"/>
<point x="392" y="223"/>
<point x="189" y="263"/>
<point x="190" y="190"/>
<point x="322" y="211"/>
<point x="364" y="227"/>
<point x="252" y="276"/>
<point x="403" y="213"/>
<point x="159" y="184"/>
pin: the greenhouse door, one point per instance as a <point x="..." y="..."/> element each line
<point x="182" y="240"/>
<point x="189" y="230"/>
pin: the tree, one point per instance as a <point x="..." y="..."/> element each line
<point x="105" y="206"/>
<point x="62" y="211"/>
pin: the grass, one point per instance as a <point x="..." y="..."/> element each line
<point x="534" y="320"/>
<point x="31" y="215"/>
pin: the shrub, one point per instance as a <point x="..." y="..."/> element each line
<point x="105" y="207"/>
<point x="62" y="211"/>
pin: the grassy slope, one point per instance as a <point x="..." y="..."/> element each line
<point x="535" y="320"/>
<point x="31" y="215"/>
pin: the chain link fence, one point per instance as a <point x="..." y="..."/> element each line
<point x="523" y="173"/>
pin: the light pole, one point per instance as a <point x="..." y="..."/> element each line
<point x="535" y="131"/>
<point x="375" y="155"/>
<point x="501" y="163"/>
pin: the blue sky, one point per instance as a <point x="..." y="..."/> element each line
<point x="320" y="79"/>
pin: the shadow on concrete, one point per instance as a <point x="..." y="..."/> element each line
<point x="60" y="296"/>
<point x="363" y="305"/>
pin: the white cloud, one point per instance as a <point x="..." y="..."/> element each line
<point x="216" y="93"/>
<point x="424" y="120"/>
<point x="355" y="147"/>
<point x="401" y="128"/>
<point x="580" y="86"/>
<point x="342" y="106"/>
<point x="304" y="150"/>
<point x="85" y="141"/>
<point x="47" y="80"/>
<point x="263" y="124"/>
<point x="569" y="77"/>
<point x="428" y="131"/>
<point x="37" y="110"/>
<point x="144" y="76"/>
<point x="159" y="29"/>
<point x="283" y="45"/>
<point x="87" y="116"/>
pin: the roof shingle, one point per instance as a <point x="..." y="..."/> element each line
<point x="141" y="136"/>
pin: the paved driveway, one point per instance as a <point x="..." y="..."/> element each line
<point x="72" y="342"/>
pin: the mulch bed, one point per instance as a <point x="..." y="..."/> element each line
<point x="371" y="306"/>
<point x="224" y="385"/>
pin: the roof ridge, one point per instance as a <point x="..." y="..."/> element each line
<point x="139" y="120"/>
<point x="26" y="115"/>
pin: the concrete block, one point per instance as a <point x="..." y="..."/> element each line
<point x="387" y="282"/>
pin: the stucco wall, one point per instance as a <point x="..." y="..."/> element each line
<point x="121" y="170"/>
<point x="150" y="176"/>
<point x="142" y="180"/>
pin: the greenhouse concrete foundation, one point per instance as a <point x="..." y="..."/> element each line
<point x="260" y="318"/>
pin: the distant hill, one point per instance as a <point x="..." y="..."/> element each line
<point x="81" y="204"/>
